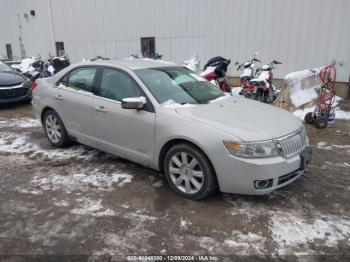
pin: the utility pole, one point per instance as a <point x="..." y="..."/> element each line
<point x="53" y="41"/>
<point x="20" y="38"/>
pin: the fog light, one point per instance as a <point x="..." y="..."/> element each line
<point x="263" y="184"/>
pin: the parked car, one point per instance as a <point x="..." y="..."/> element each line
<point x="14" y="87"/>
<point x="168" y="118"/>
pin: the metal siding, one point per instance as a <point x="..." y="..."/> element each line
<point x="301" y="34"/>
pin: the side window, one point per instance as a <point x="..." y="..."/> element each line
<point x="80" y="79"/>
<point x="117" y="85"/>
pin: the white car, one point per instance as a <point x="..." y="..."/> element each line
<point x="168" y="118"/>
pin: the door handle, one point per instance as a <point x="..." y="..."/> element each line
<point x="59" y="97"/>
<point x="100" y="109"/>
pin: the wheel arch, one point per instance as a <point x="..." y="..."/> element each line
<point x="167" y="145"/>
<point x="45" y="109"/>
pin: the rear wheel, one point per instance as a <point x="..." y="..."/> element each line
<point x="189" y="172"/>
<point x="55" y="130"/>
<point x="309" y="118"/>
<point x="321" y="122"/>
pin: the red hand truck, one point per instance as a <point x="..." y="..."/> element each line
<point x="324" y="110"/>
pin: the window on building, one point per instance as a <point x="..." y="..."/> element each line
<point x="9" y="52"/>
<point x="60" y="49"/>
<point x="148" y="46"/>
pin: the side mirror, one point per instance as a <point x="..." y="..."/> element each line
<point x="133" y="102"/>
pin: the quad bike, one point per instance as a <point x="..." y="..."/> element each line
<point x="324" y="110"/>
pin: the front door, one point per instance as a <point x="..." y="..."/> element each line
<point x="127" y="132"/>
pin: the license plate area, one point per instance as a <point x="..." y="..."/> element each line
<point x="305" y="157"/>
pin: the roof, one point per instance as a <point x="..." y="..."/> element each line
<point x="132" y="63"/>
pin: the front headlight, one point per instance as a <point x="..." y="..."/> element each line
<point x="303" y="135"/>
<point x="256" y="149"/>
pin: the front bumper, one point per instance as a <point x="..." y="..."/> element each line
<point x="15" y="95"/>
<point x="239" y="175"/>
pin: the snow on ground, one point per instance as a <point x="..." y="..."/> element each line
<point x="293" y="231"/>
<point x="20" y="143"/>
<point x="20" y="122"/>
<point x="327" y="146"/>
<point x="84" y="180"/>
<point x="93" y="208"/>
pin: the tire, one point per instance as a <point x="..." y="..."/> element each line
<point x="309" y="118"/>
<point x="258" y="96"/>
<point x="55" y="130"/>
<point x="321" y="122"/>
<point x="195" y="175"/>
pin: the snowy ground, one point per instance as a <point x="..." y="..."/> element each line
<point x="80" y="201"/>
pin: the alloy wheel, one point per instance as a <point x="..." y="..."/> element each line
<point x="186" y="173"/>
<point x="53" y="128"/>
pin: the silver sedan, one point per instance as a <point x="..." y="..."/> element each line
<point x="168" y="118"/>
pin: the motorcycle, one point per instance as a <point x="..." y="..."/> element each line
<point x="248" y="73"/>
<point x="265" y="89"/>
<point x="215" y="71"/>
<point x="59" y="63"/>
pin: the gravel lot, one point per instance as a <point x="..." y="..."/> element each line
<point x="80" y="201"/>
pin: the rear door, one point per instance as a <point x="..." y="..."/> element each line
<point x="128" y="132"/>
<point x="75" y="100"/>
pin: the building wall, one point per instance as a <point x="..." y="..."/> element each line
<point x="301" y="34"/>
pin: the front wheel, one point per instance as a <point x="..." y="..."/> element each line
<point x="189" y="172"/>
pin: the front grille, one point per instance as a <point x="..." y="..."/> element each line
<point x="285" y="178"/>
<point x="292" y="144"/>
<point x="13" y="93"/>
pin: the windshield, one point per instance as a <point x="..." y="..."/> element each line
<point x="4" y="67"/>
<point x="178" y="85"/>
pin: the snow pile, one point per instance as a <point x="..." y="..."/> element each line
<point x="302" y="86"/>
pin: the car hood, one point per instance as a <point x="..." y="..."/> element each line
<point x="243" y="118"/>
<point x="10" y="78"/>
